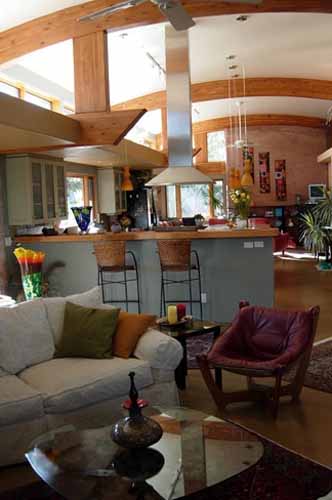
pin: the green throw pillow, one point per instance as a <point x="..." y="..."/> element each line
<point x="87" y="332"/>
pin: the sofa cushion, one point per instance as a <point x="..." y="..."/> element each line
<point x="69" y="384"/>
<point x="19" y="402"/>
<point x="55" y="307"/>
<point x="87" y="332"/>
<point x="25" y="336"/>
<point x="129" y="330"/>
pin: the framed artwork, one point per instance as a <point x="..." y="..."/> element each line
<point x="248" y="154"/>
<point x="264" y="173"/>
<point x="280" y="179"/>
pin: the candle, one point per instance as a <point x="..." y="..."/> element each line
<point x="181" y="310"/>
<point x="172" y="315"/>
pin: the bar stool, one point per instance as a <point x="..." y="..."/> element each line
<point x="176" y="256"/>
<point x="112" y="257"/>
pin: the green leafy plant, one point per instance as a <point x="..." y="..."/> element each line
<point x="312" y="226"/>
<point x="312" y="234"/>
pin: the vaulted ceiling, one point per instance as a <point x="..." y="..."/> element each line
<point x="292" y="45"/>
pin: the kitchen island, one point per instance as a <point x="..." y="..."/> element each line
<point x="235" y="265"/>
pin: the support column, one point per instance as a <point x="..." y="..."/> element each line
<point x="91" y="73"/>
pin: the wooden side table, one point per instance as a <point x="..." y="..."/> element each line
<point x="196" y="328"/>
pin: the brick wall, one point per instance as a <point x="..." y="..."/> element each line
<point x="299" y="146"/>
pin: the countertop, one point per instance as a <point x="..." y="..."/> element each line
<point x="206" y="234"/>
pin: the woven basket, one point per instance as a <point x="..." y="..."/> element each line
<point x="174" y="253"/>
<point x="110" y="254"/>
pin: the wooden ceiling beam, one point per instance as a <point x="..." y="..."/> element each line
<point x="107" y="128"/>
<point x="92" y="92"/>
<point x="258" y="120"/>
<point x="94" y="129"/>
<point x="63" y="24"/>
<point x="255" y="87"/>
<point x="23" y="115"/>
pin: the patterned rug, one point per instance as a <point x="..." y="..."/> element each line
<point x="281" y="475"/>
<point x="319" y="373"/>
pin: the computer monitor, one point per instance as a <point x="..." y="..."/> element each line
<point x="278" y="212"/>
<point x="316" y="192"/>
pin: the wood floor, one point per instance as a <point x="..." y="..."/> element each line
<point x="304" y="427"/>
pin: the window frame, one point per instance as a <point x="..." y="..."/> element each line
<point x="179" y="214"/>
<point x="86" y="178"/>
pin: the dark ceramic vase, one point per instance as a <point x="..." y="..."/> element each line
<point x="136" y="430"/>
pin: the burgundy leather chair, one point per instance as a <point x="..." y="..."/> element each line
<point x="261" y="342"/>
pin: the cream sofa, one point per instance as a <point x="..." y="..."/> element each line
<point x="39" y="393"/>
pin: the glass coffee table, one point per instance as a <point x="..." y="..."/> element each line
<point x="195" y="452"/>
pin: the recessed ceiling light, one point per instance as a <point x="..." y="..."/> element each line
<point x="231" y="57"/>
<point x="242" y="19"/>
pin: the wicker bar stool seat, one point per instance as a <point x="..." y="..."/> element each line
<point x="112" y="257"/>
<point x="178" y="256"/>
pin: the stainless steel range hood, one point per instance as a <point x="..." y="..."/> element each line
<point x="179" y="121"/>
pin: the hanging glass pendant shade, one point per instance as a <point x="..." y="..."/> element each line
<point x="127" y="184"/>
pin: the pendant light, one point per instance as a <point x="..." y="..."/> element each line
<point x="127" y="184"/>
<point x="246" y="179"/>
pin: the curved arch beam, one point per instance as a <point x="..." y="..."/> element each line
<point x="255" y="87"/>
<point x="258" y="120"/>
<point x="63" y="25"/>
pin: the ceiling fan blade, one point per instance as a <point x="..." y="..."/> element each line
<point x="177" y="15"/>
<point x="110" y="10"/>
<point x="244" y="2"/>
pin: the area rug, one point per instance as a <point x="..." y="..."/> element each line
<point x="198" y="345"/>
<point x="280" y="475"/>
<point x="319" y="373"/>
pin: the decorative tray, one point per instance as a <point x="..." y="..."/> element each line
<point x="163" y="323"/>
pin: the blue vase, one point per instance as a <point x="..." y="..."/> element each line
<point x="82" y="217"/>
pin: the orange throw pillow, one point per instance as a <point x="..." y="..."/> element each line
<point x="130" y="328"/>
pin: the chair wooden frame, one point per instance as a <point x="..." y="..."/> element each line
<point x="258" y="392"/>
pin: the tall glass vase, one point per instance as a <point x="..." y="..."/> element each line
<point x="31" y="264"/>
<point x="82" y="217"/>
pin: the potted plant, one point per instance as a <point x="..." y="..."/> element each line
<point x="314" y="228"/>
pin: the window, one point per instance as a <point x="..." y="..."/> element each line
<point x="81" y="191"/>
<point x="171" y="201"/>
<point x="216" y="146"/>
<point x="219" y="196"/>
<point x="195" y="200"/>
<point x="38" y="101"/>
<point x="6" y="88"/>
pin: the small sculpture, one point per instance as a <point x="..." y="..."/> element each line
<point x="136" y="430"/>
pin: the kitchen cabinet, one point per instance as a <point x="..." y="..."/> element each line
<point x="36" y="190"/>
<point x="111" y="198"/>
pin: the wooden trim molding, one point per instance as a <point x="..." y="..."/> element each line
<point x="255" y="87"/>
<point x="63" y="24"/>
<point x="213" y="168"/>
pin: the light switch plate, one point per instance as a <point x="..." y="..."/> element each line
<point x="204" y="298"/>
<point x="8" y="241"/>
<point x="259" y="244"/>
<point x="248" y="244"/>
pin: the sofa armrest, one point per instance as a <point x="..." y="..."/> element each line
<point x="159" y="349"/>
